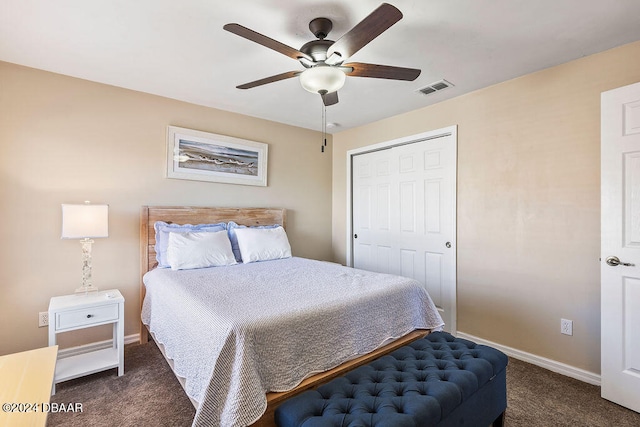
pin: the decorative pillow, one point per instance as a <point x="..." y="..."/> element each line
<point x="231" y="229"/>
<point x="263" y="244"/>
<point x="199" y="250"/>
<point x="162" y="236"/>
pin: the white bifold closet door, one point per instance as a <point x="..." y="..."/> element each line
<point x="403" y="213"/>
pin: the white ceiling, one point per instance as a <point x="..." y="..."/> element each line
<point x="178" y="49"/>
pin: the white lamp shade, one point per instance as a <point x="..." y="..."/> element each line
<point x="85" y="221"/>
<point x="322" y="78"/>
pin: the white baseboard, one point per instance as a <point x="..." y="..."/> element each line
<point x="543" y="362"/>
<point x="86" y="348"/>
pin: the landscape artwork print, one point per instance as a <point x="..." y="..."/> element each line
<point x="210" y="157"/>
<point x="204" y="156"/>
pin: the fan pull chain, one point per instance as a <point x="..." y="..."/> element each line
<point x="324" y="107"/>
<point x="324" y="127"/>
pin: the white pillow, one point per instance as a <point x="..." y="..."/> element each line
<point x="199" y="250"/>
<point x="263" y="244"/>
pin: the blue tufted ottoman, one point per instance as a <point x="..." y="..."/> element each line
<point x="438" y="380"/>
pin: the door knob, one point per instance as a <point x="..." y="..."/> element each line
<point x="614" y="261"/>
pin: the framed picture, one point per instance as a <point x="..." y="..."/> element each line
<point x="203" y="156"/>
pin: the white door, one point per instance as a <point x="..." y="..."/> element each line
<point x="403" y="213"/>
<point x="620" y="254"/>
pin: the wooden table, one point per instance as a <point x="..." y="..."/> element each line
<point x="26" y="380"/>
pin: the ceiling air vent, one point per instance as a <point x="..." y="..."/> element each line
<point x="435" y="86"/>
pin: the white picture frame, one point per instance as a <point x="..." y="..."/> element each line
<point x="203" y="156"/>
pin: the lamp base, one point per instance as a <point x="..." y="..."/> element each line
<point x="86" y="289"/>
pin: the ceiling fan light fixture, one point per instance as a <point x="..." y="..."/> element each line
<point x="322" y="79"/>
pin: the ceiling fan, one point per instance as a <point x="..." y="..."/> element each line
<point x="325" y="71"/>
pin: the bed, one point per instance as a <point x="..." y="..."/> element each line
<point x="244" y="338"/>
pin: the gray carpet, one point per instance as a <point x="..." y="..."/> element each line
<point x="150" y="395"/>
<point x="538" y="397"/>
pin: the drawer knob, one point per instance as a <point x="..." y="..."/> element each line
<point x="89" y="316"/>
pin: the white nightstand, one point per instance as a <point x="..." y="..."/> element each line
<point x="71" y="312"/>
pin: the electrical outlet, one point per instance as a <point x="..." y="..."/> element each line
<point x="566" y="326"/>
<point x="43" y="319"/>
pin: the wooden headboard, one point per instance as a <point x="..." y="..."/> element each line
<point x="194" y="215"/>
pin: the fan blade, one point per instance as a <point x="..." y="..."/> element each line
<point x="361" y="69"/>
<point x="271" y="79"/>
<point x="330" y="98"/>
<point x="266" y="41"/>
<point x="368" y="29"/>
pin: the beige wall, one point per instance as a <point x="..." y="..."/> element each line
<point x="65" y="140"/>
<point x="528" y="194"/>
<point x="528" y="202"/>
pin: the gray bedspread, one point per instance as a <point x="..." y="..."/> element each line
<point x="238" y="332"/>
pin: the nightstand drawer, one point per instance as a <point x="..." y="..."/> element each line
<point x="86" y="316"/>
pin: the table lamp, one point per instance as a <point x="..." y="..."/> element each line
<point x="85" y="222"/>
